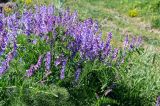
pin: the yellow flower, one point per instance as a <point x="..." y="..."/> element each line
<point x="7" y="9"/>
<point x="133" y="13"/>
<point x="28" y="2"/>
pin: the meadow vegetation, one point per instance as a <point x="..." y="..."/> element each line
<point x="80" y="53"/>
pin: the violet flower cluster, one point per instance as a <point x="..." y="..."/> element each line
<point x="42" y="20"/>
<point x="5" y="64"/>
<point x="3" y="42"/>
<point x="134" y="43"/>
<point x="35" y="67"/>
<point x="130" y="45"/>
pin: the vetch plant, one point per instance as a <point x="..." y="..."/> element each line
<point x="67" y="36"/>
<point x="55" y="47"/>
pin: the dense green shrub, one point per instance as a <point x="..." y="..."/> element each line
<point x="33" y="96"/>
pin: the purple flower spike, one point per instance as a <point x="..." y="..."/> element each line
<point x="5" y="64"/>
<point x="115" y="53"/>
<point x="158" y="101"/>
<point x="39" y="62"/>
<point x="15" y="46"/>
<point x="77" y="74"/>
<point x="10" y="56"/>
<point x="50" y="10"/>
<point x="62" y="74"/>
<point x="109" y="38"/>
<point x="4" y="67"/>
<point x="14" y="49"/>
<point x="30" y="72"/>
<point x="106" y="51"/>
<point x="34" y="41"/>
<point x="58" y="62"/>
<point x="33" y="68"/>
<point x="48" y="61"/>
<point x="1" y="25"/>
<point x="132" y="45"/>
<point x="126" y="42"/>
<point x="139" y="41"/>
<point x="3" y="41"/>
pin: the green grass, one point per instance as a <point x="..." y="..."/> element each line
<point x="142" y="78"/>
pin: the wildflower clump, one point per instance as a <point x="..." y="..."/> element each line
<point x="133" y="13"/>
<point x="69" y="39"/>
<point x="28" y="2"/>
<point x="7" y="9"/>
<point x="48" y="46"/>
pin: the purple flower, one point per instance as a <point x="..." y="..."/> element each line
<point x="3" y="41"/>
<point x="1" y="25"/>
<point x="48" y="61"/>
<point x="59" y="60"/>
<point x="62" y="73"/>
<point x="1" y="8"/>
<point x="139" y="41"/>
<point x="132" y="44"/>
<point x="115" y="53"/>
<point x="74" y="16"/>
<point x="126" y="42"/>
<point x="43" y="19"/>
<point x="106" y="51"/>
<point x="107" y="47"/>
<point x="109" y="38"/>
<point x="50" y="10"/>
<point x="14" y="48"/>
<point x="15" y="45"/>
<point x="37" y="21"/>
<point x="33" y="68"/>
<point x="39" y="62"/>
<point x="87" y="38"/>
<point x="4" y="67"/>
<point x="77" y="74"/>
<point x="158" y="101"/>
<point x="5" y="64"/>
<point x="50" y="24"/>
<point x="34" y="41"/>
<point x="30" y="71"/>
<point x="10" y="56"/>
<point x="27" y="21"/>
<point x="43" y="27"/>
